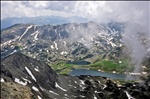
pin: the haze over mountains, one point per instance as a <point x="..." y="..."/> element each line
<point x="40" y="20"/>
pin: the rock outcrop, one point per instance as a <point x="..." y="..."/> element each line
<point x="23" y="77"/>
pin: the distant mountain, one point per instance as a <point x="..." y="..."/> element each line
<point x="41" y="20"/>
<point x="66" y="42"/>
<point x="24" y="77"/>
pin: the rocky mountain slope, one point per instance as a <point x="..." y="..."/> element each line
<point x="23" y="77"/>
<point x="66" y="42"/>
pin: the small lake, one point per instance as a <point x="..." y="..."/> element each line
<point x="79" y="63"/>
<point x="78" y="72"/>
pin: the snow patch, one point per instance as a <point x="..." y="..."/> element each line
<point x="128" y="95"/>
<point x="66" y="94"/>
<point x="20" y="82"/>
<point x="69" y="85"/>
<point x="52" y="47"/>
<point x="35" y="37"/>
<point x="82" y="82"/>
<point x="25" y="32"/>
<point x="104" y="86"/>
<point x="34" y="88"/>
<point x="75" y="82"/>
<point x="25" y="47"/>
<point x="82" y="96"/>
<point x="66" y="97"/>
<point x="12" y="31"/>
<point x="2" y="80"/>
<point x="36" y="69"/>
<point x="64" y="43"/>
<point x="26" y="80"/>
<point x="39" y="97"/>
<point x="96" y="91"/>
<point x="41" y="88"/>
<point x="56" y="45"/>
<point x="63" y="52"/>
<point x="53" y="92"/>
<point x="120" y="62"/>
<point x="30" y="73"/>
<point x="13" y="52"/>
<point x="56" y="85"/>
<point x="95" y="97"/>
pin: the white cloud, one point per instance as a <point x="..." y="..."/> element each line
<point x="35" y="8"/>
<point x="101" y="11"/>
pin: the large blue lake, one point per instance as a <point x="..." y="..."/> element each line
<point x="77" y="72"/>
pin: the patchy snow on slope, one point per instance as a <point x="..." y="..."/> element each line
<point x="104" y="86"/>
<point x="52" y="47"/>
<point x="34" y="88"/>
<point x="26" y="80"/>
<point x="56" y="85"/>
<point x="75" y="82"/>
<point x="25" y="47"/>
<point x="56" y="45"/>
<point x="2" y="80"/>
<point x="39" y="97"/>
<point x="20" y="82"/>
<point x="35" y="37"/>
<point x="41" y="88"/>
<point x="36" y="69"/>
<point x="13" y="31"/>
<point x="82" y="96"/>
<point x="82" y="82"/>
<point x="30" y="73"/>
<point x="120" y="62"/>
<point x="112" y="44"/>
<point x="74" y="28"/>
<point x="13" y="52"/>
<point x="128" y="95"/>
<point x="25" y="32"/>
<point x="63" y="52"/>
<point x="95" y="97"/>
<point x="6" y="43"/>
<point x="53" y="92"/>
<point x="64" y="43"/>
<point x="70" y="85"/>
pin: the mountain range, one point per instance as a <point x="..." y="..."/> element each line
<point x="33" y="54"/>
<point x="66" y="42"/>
<point x="40" y="20"/>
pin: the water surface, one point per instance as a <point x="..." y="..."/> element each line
<point x="78" y="72"/>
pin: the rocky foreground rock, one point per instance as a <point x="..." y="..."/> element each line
<point x="23" y="77"/>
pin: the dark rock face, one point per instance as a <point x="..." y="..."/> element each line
<point x="38" y="80"/>
<point x="139" y="90"/>
<point x="20" y="68"/>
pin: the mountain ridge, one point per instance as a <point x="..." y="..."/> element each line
<point x="66" y="39"/>
<point x="23" y="76"/>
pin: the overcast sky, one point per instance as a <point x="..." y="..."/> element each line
<point x="99" y="10"/>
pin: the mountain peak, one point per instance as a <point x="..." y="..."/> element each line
<point x="20" y="67"/>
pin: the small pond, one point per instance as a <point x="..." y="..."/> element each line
<point x="79" y="62"/>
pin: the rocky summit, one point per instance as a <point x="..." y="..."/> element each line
<point x="23" y="77"/>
